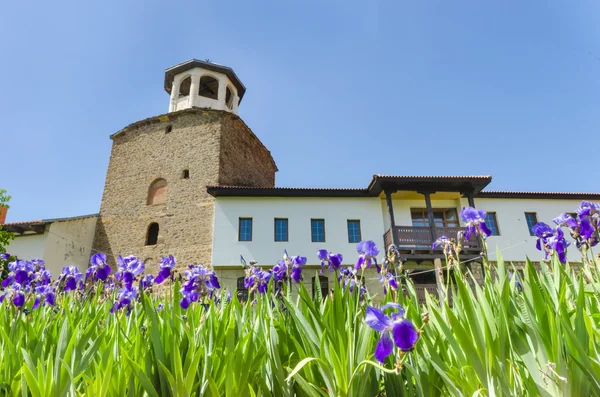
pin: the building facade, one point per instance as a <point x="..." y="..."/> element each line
<point x="197" y="183"/>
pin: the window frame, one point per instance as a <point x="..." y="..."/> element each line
<point x="493" y="214"/>
<point x="348" y="221"/>
<point x="321" y="279"/>
<point x="311" y="230"/>
<point x="444" y="219"/>
<point x="240" y="219"/>
<point x="531" y="233"/>
<point x="287" y="230"/>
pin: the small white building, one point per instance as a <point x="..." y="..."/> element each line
<point x="59" y="242"/>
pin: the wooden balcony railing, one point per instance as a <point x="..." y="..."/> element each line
<point x="418" y="239"/>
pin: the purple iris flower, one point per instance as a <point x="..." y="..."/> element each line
<point x="334" y="261"/>
<point x="389" y="281"/>
<point x="5" y="256"/>
<point x="350" y="279"/>
<point x="69" y="277"/>
<point x="565" y="220"/>
<point x="200" y="281"/>
<point x="45" y="295"/>
<point x="441" y="242"/>
<point x="129" y="268"/>
<point x="402" y="330"/>
<point x="125" y="298"/>
<point x="475" y="221"/>
<point x="99" y="269"/>
<point x="147" y="281"/>
<point x="166" y="268"/>
<point x="368" y="252"/>
<point x="297" y="263"/>
<point x="280" y="270"/>
<point x="588" y="209"/>
<point x="18" y="299"/>
<point x="551" y="240"/>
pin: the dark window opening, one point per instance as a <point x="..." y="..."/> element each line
<point x="354" y="231"/>
<point x="184" y="87"/>
<point x="186" y="174"/>
<point x="423" y="277"/>
<point x="323" y="285"/>
<point x="209" y="87"/>
<point x="152" y="235"/>
<point x="245" y="229"/>
<point x="168" y="129"/>
<point x="317" y="230"/>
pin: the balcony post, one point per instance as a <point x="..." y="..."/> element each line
<point x="430" y="215"/>
<point x="471" y="199"/>
<point x="388" y="200"/>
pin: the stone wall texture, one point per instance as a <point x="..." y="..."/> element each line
<point x="215" y="146"/>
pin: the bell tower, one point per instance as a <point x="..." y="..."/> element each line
<point x="203" y="84"/>
<point x="155" y="200"/>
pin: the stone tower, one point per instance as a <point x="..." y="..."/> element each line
<point x="155" y="201"/>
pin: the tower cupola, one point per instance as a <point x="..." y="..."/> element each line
<point x="203" y="84"/>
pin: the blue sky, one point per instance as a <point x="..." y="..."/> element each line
<point x="337" y="90"/>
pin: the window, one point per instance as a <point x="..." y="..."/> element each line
<point x="323" y="284"/>
<point x="242" y="291"/>
<point x="442" y="217"/>
<point x="317" y="230"/>
<point x="157" y="193"/>
<point x="186" y="174"/>
<point x="209" y="87"/>
<point x="168" y="129"/>
<point x="354" y="231"/>
<point x="245" y="230"/>
<point x="281" y="229"/>
<point x="492" y="223"/>
<point x="152" y="235"/>
<point x="531" y="219"/>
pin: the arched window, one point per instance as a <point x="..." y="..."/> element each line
<point x="209" y="87"/>
<point x="323" y="284"/>
<point x="152" y="235"/>
<point x="229" y="98"/>
<point x="157" y="194"/>
<point x="184" y="87"/>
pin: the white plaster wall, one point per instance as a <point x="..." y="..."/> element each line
<point x="299" y="211"/>
<point x="69" y="243"/>
<point x="28" y="246"/>
<point x="514" y="239"/>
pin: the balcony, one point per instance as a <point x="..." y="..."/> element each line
<point x="414" y="242"/>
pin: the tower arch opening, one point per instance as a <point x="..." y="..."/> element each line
<point x="209" y="87"/>
<point x="184" y="87"/>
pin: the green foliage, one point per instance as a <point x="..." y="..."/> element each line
<point x="5" y="236"/>
<point x="494" y="340"/>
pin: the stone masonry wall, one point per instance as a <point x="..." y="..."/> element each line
<point x="144" y="152"/>
<point x="245" y="161"/>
